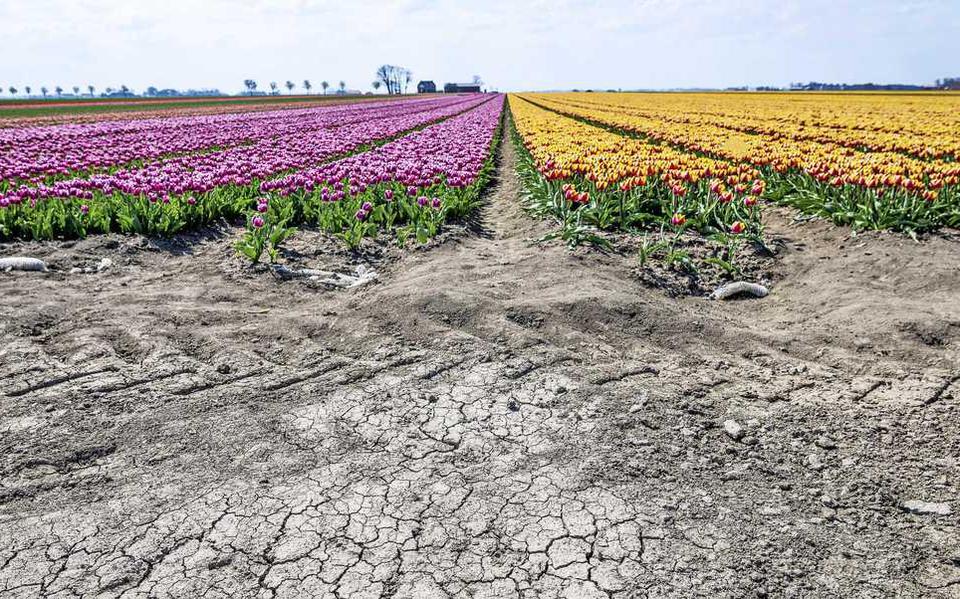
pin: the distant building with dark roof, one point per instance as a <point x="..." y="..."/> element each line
<point x="461" y="88"/>
<point x="426" y="87"/>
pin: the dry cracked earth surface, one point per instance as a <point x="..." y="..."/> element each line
<point x="493" y="418"/>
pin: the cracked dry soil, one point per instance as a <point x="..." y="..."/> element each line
<point x="494" y="418"/>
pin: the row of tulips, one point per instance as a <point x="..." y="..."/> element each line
<point x="865" y="189"/>
<point x="407" y="188"/>
<point x="166" y="196"/>
<point x="922" y="126"/>
<point x="657" y="192"/>
<point x="29" y="153"/>
<point x="762" y="146"/>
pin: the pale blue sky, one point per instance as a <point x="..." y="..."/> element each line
<point x="512" y="44"/>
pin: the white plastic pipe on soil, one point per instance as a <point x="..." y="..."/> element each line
<point x="23" y="263"/>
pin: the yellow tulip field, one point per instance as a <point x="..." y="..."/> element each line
<point x="712" y="161"/>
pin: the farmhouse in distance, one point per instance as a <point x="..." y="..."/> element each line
<point x="461" y="88"/>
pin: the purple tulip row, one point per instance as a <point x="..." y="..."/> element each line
<point x="241" y="165"/>
<point x="452" y="152"/>
<point x="62" y="149"/>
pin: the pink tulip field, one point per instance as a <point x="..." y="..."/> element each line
<point x="311" y="166"/>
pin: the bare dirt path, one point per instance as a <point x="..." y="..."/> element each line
<point x="495" y="418"/>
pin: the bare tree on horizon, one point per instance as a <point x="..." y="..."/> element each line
<point x="394" y="78"/>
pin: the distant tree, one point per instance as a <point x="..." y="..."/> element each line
<point x="251" y="85"/>
<point x="273" y="88"/>
<point x="343" y="87"/>
<point x="59" y="90"/>
<point x="124" y="90"/>
<point x="394" y="77"/>
<point x="44" y="91"/>
<point x="407" y="78"/>
<point x="91" y="89"/>
<point x="290" y="87"/>
<point x="376" y="86"/>
<point x="152" y="91"/>
<point x="76" y="90"/>
<point x="108" y="91"/>
<point x="28" y="89"/>
<point x="383" y="75"/>
<point x="13" y="91"/>
<point x="324" y="85"/>
<point x="307" y="85"/>
<point x="477" y="80"/>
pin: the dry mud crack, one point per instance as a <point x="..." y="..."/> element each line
<point x="496" y="418"/>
